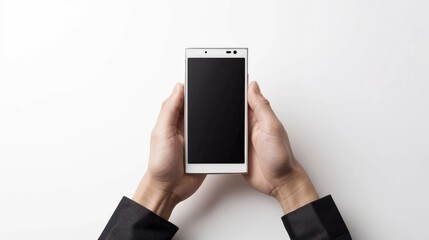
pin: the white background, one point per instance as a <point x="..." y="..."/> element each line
<point x="82" y="82"/>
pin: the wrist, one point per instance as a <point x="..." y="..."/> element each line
<point x="297" y="192"/>
<point x="159" y="201"/>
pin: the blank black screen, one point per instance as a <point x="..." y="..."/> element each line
<point x="216" y="105"/>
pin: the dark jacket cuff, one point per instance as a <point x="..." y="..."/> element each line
<point x="133" y="221"/>
<point x="317" y="220"/>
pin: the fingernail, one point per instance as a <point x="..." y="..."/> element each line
<point x="257" y="89"/>
<point x="176" y="88"/>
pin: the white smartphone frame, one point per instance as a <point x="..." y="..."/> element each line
<point x="217" y="167"/>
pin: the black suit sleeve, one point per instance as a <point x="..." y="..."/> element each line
<point x="131" y="221"/>
<point x="319" y="220"/>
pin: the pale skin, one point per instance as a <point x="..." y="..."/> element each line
<point x="273" y="169"/>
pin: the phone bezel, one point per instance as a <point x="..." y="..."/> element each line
<point x="217" y="167"/>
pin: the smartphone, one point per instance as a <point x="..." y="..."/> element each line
<point x="215" y="121"/>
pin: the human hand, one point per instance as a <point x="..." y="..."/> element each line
<point x="165" y="183"/>
<point x="273" y="170"/>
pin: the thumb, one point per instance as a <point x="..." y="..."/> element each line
<point x="260" y="105"/>
<point x="171" y="108"/>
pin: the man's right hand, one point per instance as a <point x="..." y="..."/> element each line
<point x="273" y="169"/>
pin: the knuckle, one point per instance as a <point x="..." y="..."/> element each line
<point x="275" y="126"/>
<point x="154" y="134"/>
<point x="165" y="103"/>
<point x="265" y="101"/>
<point x="262" y="104"/>
<point x="163" y="133"/>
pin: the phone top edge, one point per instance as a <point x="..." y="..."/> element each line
<point x="218" y="48"/>
<point x="211" y="52"/>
